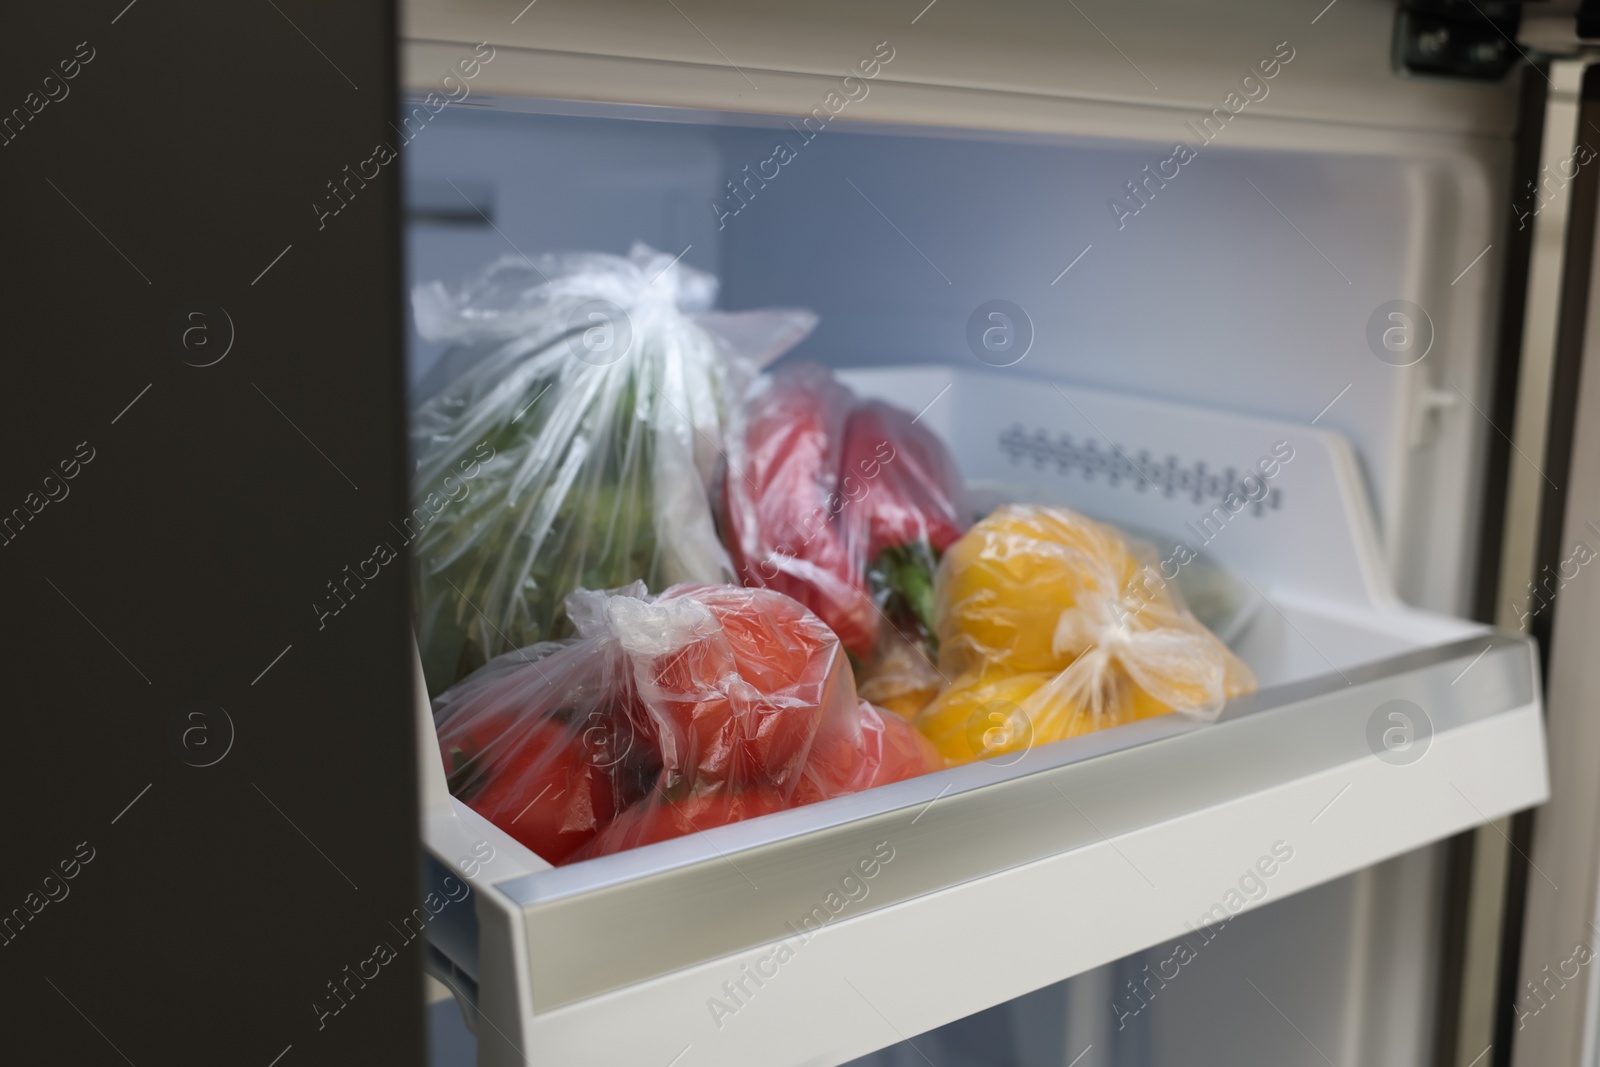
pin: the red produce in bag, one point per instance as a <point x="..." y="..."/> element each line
<point x="912" y="484"/>
<point x="781" y="499"/>
<point x="703" y="706"/>
<point x="548" y="743"/>
<point x="846" y="506"/>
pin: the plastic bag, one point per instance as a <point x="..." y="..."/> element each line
<point x="1223" y="603"/>
<point x="703" y="706"/>
<point x="1054" y="625"/>
<point x="568" y="440"/>
<point x="846" y="506"/>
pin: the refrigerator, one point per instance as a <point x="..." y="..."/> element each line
<point x="1303" y="286"/>
<point x="1116" y="253"/>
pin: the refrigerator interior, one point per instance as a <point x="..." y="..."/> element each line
<point x="1246" y="285"/>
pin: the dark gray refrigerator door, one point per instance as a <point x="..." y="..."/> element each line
<point x="210" y="832"/>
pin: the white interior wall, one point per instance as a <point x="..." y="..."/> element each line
<point x="1208" y="295"/>
<point x="553" y="185"/>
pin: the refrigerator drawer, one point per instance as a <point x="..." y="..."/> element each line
<point x="816" y="935"/>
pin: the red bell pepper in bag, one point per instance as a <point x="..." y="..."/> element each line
<point x="781" y="498"/>
<point x="913" y="482"/>
<point x="847" y="506"/>
<point x="906" y="515"/>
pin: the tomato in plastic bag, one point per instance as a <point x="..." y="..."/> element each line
<point x="743" y="701"/>
<point x="668" y="714"/>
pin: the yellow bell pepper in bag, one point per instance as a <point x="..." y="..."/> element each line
<point x="1052" y="626"/>
<point x="980" y="717"/>
<point x="1005" y="585"/>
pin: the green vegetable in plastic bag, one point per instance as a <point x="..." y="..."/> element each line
<point x="580" y="423"/>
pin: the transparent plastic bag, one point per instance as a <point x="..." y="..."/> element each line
<point x="569" y="439"/>
<point x="846" y="506"/>
<point x="669" y="714"/>
<point x="1224" y="603"/>
<point x="1053" y="625"/>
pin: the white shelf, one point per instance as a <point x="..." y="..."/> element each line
<point x="1008" y="878"/>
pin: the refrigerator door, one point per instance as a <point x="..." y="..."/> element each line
<point x="210" y="820"/>
<point x="1550" y="1000"/>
